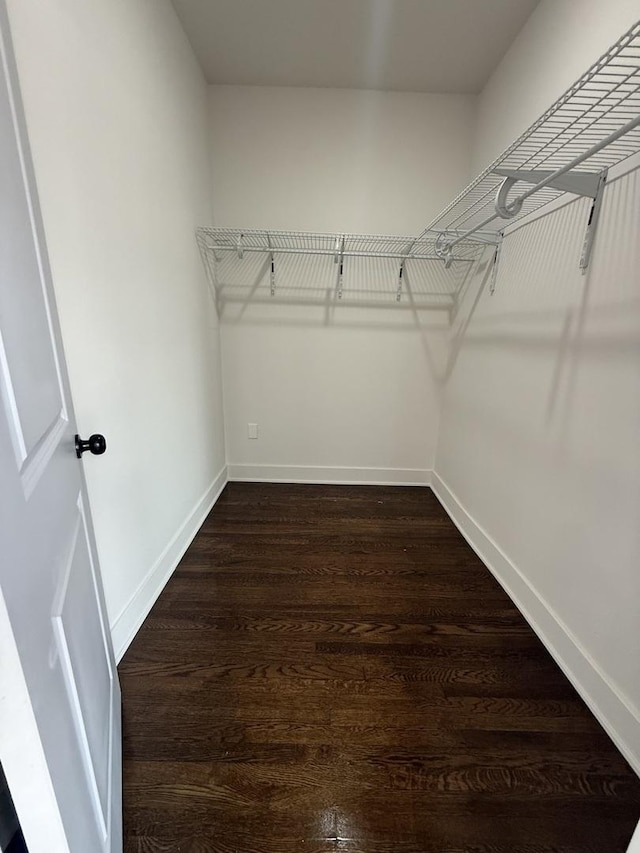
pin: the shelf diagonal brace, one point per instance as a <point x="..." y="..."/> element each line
<point x="339" y="259"/>
<point x="272" y="271"/>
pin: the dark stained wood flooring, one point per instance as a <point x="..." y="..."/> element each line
<point x="331" y="668"/>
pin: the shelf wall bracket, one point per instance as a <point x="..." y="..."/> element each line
<point x="239" y="246"/>
<point x="496" y="263"/>
<point x="592" y="224"/>
<point x="400" y="275"/>
<point x="272" y="272"/>
<point x="584" y="184"/>
<point x="578" y="183"/>
<point x="339" y="259"/>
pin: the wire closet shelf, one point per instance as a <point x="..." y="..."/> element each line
<point x="361" y="266"/>
<point x="594" y="125"/>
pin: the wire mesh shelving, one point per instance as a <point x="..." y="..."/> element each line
<point x="308" y="265"/>
<point x="594" y="125"/>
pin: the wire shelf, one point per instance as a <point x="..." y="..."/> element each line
<point x="308" y="265"/>
<point x="582" y="125"/>
<point x="593" y="126"/>
<point x="220" y="240"/>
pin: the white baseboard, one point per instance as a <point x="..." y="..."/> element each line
<point x="634" y="845"/>
<point x="330" y="475"/>
<point x="614" y="711"/>
<point x="135" y="611"/>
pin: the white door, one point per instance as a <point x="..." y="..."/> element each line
<point x="60" y="732"/>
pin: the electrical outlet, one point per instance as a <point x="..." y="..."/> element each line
<point x="252" y="430"/>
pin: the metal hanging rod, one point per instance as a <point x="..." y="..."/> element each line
<point x="594" y="125"/>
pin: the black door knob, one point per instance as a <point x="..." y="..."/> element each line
<point x="95" y="444"/>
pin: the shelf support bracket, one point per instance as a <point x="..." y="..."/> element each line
<point x="496" y="262"/>
<point x="584" y="184"/>
<point x="272" y="272"/>
<point x="408" y="250"/>
<point x="239" y="246"/>
<point x="400" y="276"/>
<point x="400" y="279"/>
<point x="578" y="183"/>
<point x="592" y="225"/>
<point x="339" y="259"/>
<point x="443" y="250"/>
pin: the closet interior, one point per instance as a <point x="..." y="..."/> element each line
<point x="352" y="288"/>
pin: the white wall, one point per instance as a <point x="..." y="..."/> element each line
<point x="117" y="115"/>
<point x="539" y="450"/>
<point x="339" y="392"/>
<point x="336" y="159"/>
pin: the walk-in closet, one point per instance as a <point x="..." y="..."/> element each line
<point x="320" y="426"/>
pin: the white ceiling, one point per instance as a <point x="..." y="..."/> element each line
<point x="401" y="45"/>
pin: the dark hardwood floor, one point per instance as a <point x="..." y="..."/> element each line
<point x="332" y="668"/>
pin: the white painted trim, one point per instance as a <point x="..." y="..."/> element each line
<point x="128" y="622"/>
<point x="634" y="846"/>
<point x="614" y="711"/>
<point x="322" y="475"/>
